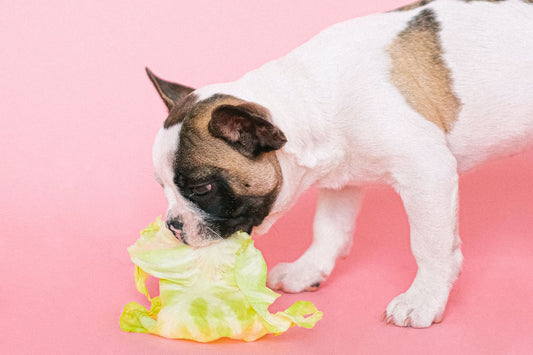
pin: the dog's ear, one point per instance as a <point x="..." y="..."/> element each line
<point x="171" y="93"/>
<point x="246" y="128"/>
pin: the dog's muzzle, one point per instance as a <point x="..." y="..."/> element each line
<point x="176" y="227"/>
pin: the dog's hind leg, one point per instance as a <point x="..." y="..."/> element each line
<point x="333" y="229"/>
<point x="428" y="186"/>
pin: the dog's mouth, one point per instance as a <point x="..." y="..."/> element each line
<point x="176" y="227"/>
<point x="204" y="234"/>
<point x="181" y="236"/>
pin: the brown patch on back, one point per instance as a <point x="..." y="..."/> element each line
<point x="420" y="74"/>
<point x="414" y="5"/>
<point x="201" y="154"/>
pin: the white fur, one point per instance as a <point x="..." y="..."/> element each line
<point x="347" y="126"/>
<point x="163" y="155"/>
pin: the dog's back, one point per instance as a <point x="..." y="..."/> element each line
<point x="465" y="66"/>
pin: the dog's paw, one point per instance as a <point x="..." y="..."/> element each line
<point x="416" y="309"/>
<point x="296" y="277"/>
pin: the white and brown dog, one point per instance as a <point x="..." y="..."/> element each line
<point x="408" y="98"/>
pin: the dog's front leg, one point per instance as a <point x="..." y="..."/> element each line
<point x="333" y="229"/>
<point x="428" y="186"/>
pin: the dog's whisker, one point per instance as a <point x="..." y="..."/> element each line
<point x="213" y="232"/>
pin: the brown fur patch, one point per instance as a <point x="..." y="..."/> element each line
<point x="201" y="154"/>
<point x="414" y="5"/>
<point x="179" y="111"/>
<point x="420" y="74"/>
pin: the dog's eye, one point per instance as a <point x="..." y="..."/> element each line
<point x="201" y="190"/>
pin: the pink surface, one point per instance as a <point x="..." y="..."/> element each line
<point x="79" y="117"/>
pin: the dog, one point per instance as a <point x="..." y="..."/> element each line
<point x="410" y="98"/>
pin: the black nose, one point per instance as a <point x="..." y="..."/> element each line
<point x="174" y="225"/>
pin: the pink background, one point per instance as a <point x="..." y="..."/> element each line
<point x="79" y="116"/>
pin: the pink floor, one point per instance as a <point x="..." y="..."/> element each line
<point x="79" y="117"/>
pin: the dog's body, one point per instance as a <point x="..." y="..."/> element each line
<point x="408" y="98"/>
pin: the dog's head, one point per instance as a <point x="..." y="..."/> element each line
<point x="215" y="159"/>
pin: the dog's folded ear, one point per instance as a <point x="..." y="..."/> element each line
<point x="171" y="93"/>
<point x="246" y="128"/>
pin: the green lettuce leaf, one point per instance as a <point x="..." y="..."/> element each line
<point x="207" y="293"/>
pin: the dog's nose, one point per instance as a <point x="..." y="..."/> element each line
<point x="174" y="225"/>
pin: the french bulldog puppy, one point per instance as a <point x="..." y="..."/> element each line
<point x="409" y="98"/>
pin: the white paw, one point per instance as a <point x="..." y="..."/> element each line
<point x="297" y="276"/>
<point x="416" y="308"/>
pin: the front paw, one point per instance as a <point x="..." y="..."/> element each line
<point x="416" y="308"/>
<point x="296" y="277"/>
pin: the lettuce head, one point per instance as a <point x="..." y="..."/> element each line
<point x="207" y="293"/>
